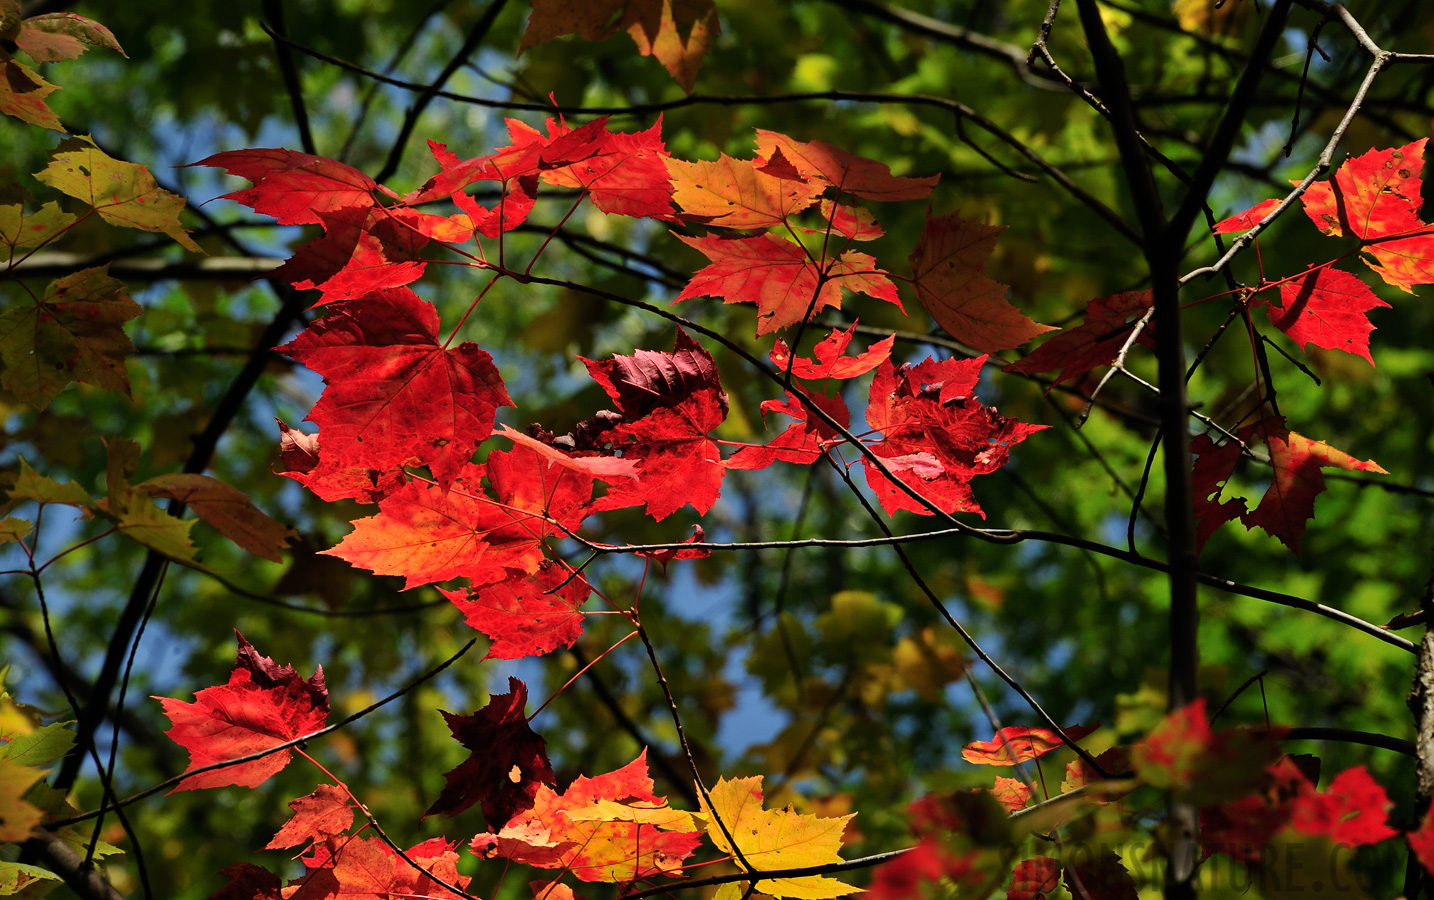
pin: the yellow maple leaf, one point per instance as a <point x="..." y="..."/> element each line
<point x="775" y="839"/>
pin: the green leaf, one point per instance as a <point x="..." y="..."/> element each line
<point x="75" y="333"/>
<point x="123" y="193"/>
<point x="158" y="530"/>
<point x="40" y="747"/>
<point x="25" y="881"/>
<point x="31" y="485"/>
<point x="20" y="230"/>
<point x="13" y="529"/>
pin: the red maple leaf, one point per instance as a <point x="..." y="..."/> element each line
<point x="262" y="705"/>
<point x="363" y="250"/>
<point x="1376" y="198"/>
<point x="358" y="867"/>
<point x="1096" y="341"/>
<point x="1421" y="840"/>
<point x="605" y="844"/>
<point x="299" y="453"/>
<point x="527" y="615"/>
<point x="1370" y="195"/>
<point x="514" y="168"/>
<point x="295" y="188"/>
<point x="847" y="172"/>
<point x="1034" y="878"/>
<point x="317" y="817"/>
<point x="427" y="533"/>
<point x="829" y="362"/>
<point x="624" y="174"/>
<point x="669" y="402"/>
<point x="781" y="278"/>
<point x="926" y="414"/>
<point x="1328" y="308"/>
<point x="394" y="394"/>
<point x="1246" y="220"/>
<point x="948" y="265"/>
<point x="734" y="193"/>
<point x="508" y="762"/>
<point x="802" y="441"/>
<point x="1288" y="503"/>
<point x="1017" y="744"/>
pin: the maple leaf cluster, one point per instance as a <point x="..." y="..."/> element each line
<point x="1375" y="198"/>
<point x="605" y="828"/>
<point x="400" y="398"/>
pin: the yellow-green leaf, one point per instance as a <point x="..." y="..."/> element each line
<point x="25" y="881"/>
<point x="771" y="839"/>
<point x="20" y="230"/>
<point x="123" y="193"/>
<point x="31" y="485"/>
<point x="13" y="530"/>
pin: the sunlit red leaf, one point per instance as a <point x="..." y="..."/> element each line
<point x="828" y="361"/>
<point x="395" y="395"/>
<point x="362" y="251"/>
<point x="527" y="615"/>
<point x="1016" y="744"/>
<point x="927" y="409"/>
<point x="1371" y="195"/>
<point x="361" y="867"/>
<point x="1246" y="220"/>
<point x="327" y="811"/>
<point x="294" y="188"/>
<point x="801" y="442"/>
<point x="263" y="705"/>
<point x="1328" y="308"/>
<point x="849" y="173"/>
<point x="781" y="278"/>
<point x="1354" y="810"/>
<point x="508" y="763"/>
<point x="669" y="401"/>
<point x="427" y="533"/>
<point x="624" y="174"/>
<point x="1288" y="503"/>
<point x="949" y="264"/>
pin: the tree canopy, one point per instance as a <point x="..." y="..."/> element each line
<point x="897" y="384"/>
